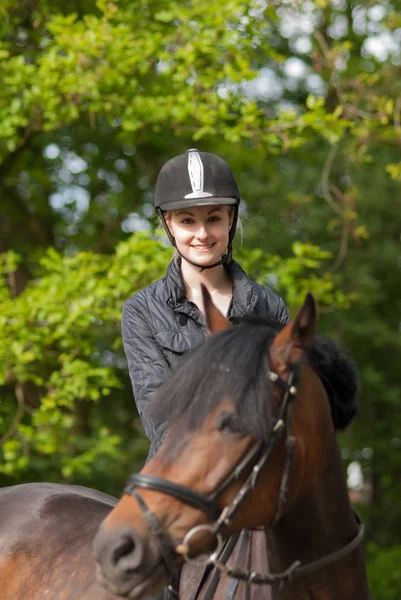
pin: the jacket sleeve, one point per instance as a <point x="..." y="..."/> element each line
<point x="146" y="365"/>
<point x="275" y="307"/>
<point x="282" y="315"/>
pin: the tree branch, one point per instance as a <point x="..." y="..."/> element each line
<point x="325" y="181"/>
<point x="397" y="112"/>
<point x="343" y="245"/>
<point x="363" y="113"/>
<point x="337" y="82"/>
<point x="19" y="393"/>
<point x="349" y="206"/>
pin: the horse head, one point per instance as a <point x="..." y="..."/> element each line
<point x="249" y="438"/>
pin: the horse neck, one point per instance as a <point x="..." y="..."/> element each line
<point x="320" y="522"/>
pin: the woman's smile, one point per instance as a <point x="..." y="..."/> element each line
<point x="203" y="247"/>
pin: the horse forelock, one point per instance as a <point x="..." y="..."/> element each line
<point x="233" y="365"/>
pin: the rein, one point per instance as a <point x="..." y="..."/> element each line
<point x="253" y="460"/>
<point x="296" y="569"/>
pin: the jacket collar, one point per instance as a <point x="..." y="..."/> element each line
<point x="245" y="294"/>
<point x="175" y="288"/>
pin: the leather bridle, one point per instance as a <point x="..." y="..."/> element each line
<point x="253" y="461"/>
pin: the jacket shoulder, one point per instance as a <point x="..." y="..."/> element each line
<point x="140" y="300"/>
<point x="273" y="305"/>
<point x="266" y="292"/>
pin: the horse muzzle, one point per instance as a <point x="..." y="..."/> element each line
<point x="128" y="565"/>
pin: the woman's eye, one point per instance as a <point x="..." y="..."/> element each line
<point x="187" y="221"/>
<point x="227" y="421"/>
<point x="214" y="219"/>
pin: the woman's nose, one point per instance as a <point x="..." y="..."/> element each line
<point x="202" y="233"/>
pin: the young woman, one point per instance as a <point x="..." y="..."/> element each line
<point x="197" y="200"/>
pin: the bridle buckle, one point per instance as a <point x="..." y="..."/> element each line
<point x="183" y="548"/>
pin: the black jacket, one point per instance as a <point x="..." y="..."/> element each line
<point x="159" y="325"/>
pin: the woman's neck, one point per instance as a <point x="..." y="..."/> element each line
<point x="216" y="280"/>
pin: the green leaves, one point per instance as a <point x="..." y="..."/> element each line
<point x="9" y="262"/>
<point x="297" y="275"/>
<point x="164" y="16"/>
<point x="394" y="170"/>
<point x="62" y="336"/>
<point x="384" y="572"/>
<point x="145" y="69"/>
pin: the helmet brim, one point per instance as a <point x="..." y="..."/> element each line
<point x="193" y="202"/>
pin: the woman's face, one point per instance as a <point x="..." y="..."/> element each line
<point x="201" y="233"/>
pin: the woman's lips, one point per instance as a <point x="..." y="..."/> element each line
<point x="202" y="247"/>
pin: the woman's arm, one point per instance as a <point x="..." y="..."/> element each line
<point x="274" y="306"/>
<point x="146" y="364"/>
<point x="282" y="315"/>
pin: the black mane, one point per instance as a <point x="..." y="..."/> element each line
<point x="339" y="377"/>
<point x="233" y="364"/>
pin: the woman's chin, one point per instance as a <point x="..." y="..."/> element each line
<point x="205" y="262"/>
<point x="205" y="258"/>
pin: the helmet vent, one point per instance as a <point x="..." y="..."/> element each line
<point x="196" y="175"/>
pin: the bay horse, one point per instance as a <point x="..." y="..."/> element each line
<point x="251" y="445"/>
<point x="47" y="530"/>
<point x="46" y="539"/>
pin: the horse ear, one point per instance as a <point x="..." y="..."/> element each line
<point x="215" y="321"/>
<point x="295" y="337"/>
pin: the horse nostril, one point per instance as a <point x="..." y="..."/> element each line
<point x="127" y="552"/>
<point x="121" y="551"/>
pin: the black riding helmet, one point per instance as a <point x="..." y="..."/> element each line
<point x="197" y="179"/>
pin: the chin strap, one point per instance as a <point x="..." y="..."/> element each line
<point x="226" y="259"/>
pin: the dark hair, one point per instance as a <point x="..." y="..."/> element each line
<point x="339" y="377"/>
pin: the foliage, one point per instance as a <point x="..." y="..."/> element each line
<point x="297" y="275"/>
<point x="384" y="572"/>
<point x="145" y="64"/>
<point x="61" y="333"/>
<point x="302" y="98"/>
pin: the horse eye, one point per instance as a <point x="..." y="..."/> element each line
<point x="227" y="420"/>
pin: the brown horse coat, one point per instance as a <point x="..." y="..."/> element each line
<point x="46" y="536"/>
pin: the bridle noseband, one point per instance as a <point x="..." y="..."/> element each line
<point x="253" y="461"/>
